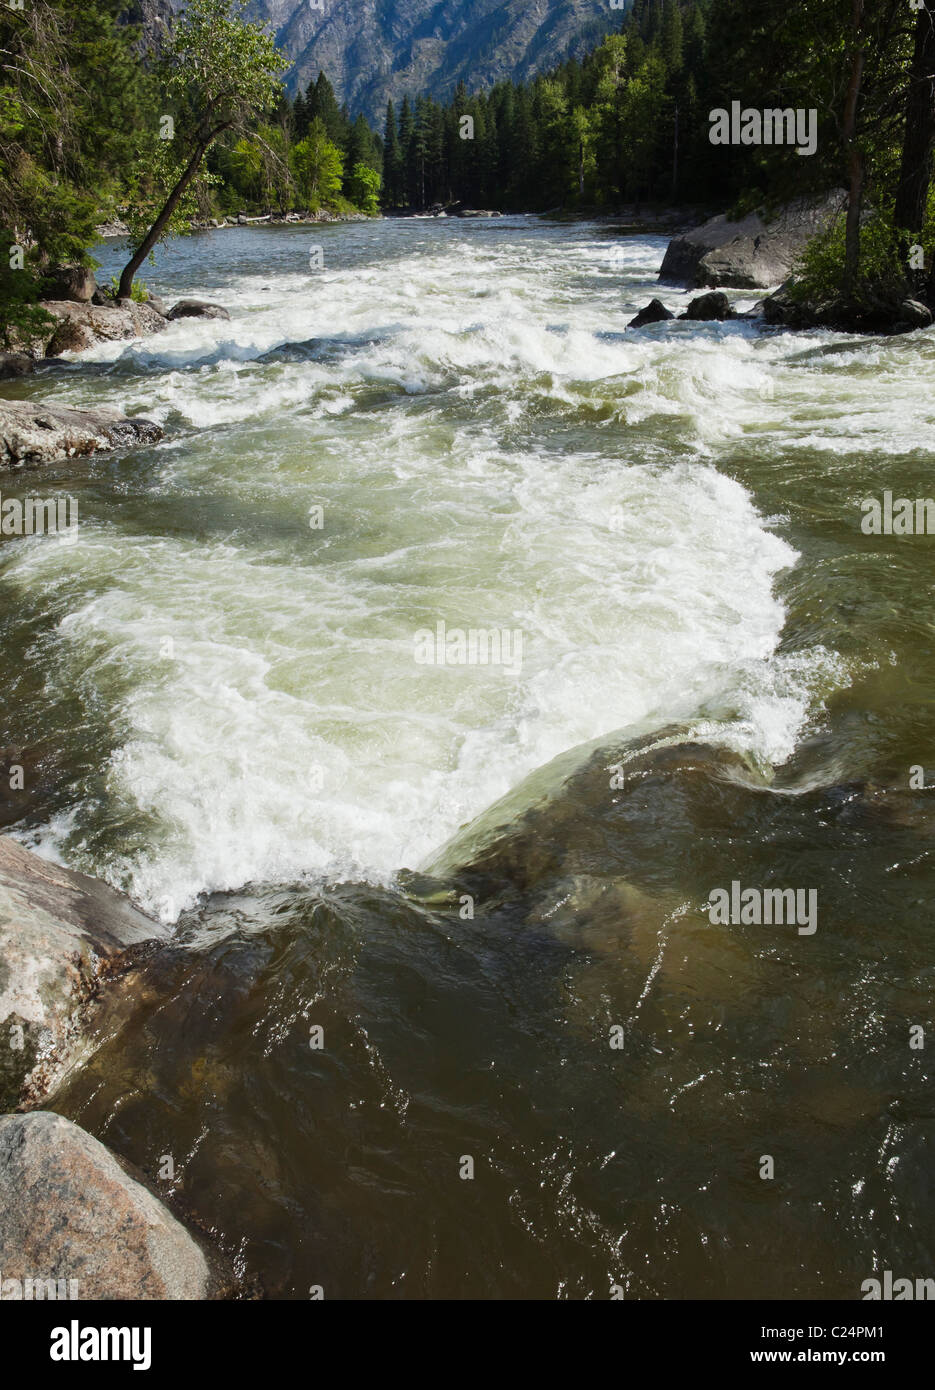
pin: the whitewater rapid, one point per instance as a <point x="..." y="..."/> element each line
<point x="489" y="448"/>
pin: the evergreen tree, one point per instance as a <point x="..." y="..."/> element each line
<point x="392" y="161"/>
<point x="322" y="104"/>
<point x="407" y="128"/>
<point x="300" y="120"/>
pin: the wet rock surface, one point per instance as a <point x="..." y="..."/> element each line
<point x="196" y="309"/>
<point x="33" y="433"/>
<point x="654" y="312"/>
<point x="61" y="934"/>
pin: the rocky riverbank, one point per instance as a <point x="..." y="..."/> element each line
<point x="34" y="433"/>
<point x="754" y="252"/>
<point x="759" y="252"/>
<point x="117" y="228"/>
<point x="70" y="1210"/>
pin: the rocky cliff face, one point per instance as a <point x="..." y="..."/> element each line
<point x="375" y="49"/>
<point x="154" y="17"/>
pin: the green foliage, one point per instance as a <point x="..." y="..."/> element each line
<point x="363" y="189"/>
<point x="71" y="93"/>
<point x="221" y="73"/>
<point x="150" y="179"/>
<point x="883" y="274"/>
<point x="69" y="88"/>
<point x="317" y="166"/>
<point x="21" y="318"/>
<point x="221" y="70"/>
<point x="139" y="293"/>
<point x="630" y="121"/>
<point x="246" y="162"/>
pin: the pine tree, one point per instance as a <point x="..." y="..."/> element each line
<point x="671" y="37"/>
<point x="407" y="127"/>
<point x="322" y="104"/>
<point x="392" y="163"/>
<point x="300" y="120"/>
<point x="359" y="146"/>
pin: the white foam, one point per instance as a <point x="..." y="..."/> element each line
<point x="643" y="579"/>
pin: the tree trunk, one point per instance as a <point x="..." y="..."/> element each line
<point x="855" y="163"/>
<point x="915" y="172"/>
<point x="125" y="287"/>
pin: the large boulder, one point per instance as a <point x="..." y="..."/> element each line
<point x="783" y="310"/>
<point x="196" y="309"/>
<point x="912" y="314"/>
<point x="713" y="305"/>
<point x="82" y="325"/>
<point x="71" y="282"/>
<point x="61" y="935"/>
<point x="13" y="364"/>
<point x="32" y="434"/>
<point x="654" y="312"/>
<point x="880" y="315"/>
<point x="752" y="253"/>
<point x="71" y="1211"/>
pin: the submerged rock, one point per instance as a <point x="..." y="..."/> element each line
<point x="654" y="312"/>
<point x="554" y="824"/>
<point x="32" y="433"/>
<point x="751" y="253"/>
<point x="196" y="309"/>
<point x="61" y="933"/>
<point x="70" y="1210"/>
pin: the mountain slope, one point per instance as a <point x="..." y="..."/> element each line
<point x="375" y="49"/>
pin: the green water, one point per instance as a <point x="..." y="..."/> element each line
<point x="219" y="710"/>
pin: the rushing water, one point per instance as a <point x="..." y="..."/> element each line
<point x="220" y="710"/>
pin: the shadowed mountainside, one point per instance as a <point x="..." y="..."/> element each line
<point x="372" y="50"/>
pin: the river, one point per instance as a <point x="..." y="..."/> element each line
<point x="717" y="678"/>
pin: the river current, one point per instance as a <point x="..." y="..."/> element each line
<point x="486" y="884"/>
